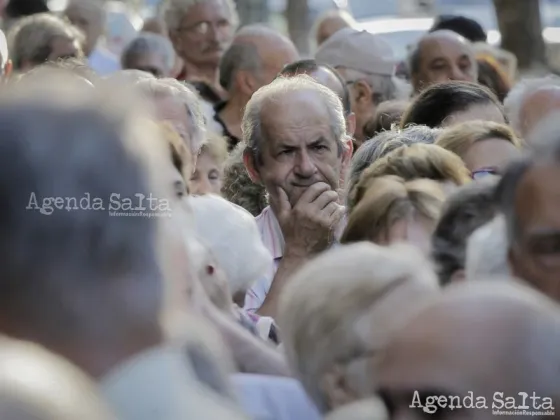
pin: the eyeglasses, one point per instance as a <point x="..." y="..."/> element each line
<point x="203" y="28"/>
<point x="483" y="173"/>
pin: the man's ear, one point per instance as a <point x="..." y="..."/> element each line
<point x="335" y="388"/>
<point x="351" y="124"/>
<point x="347" y="151"/>
<point x="251" y="166"/>
<point x="245" y="83"/>
<point x="8" y="69"/>
<point x="363" y="94"/>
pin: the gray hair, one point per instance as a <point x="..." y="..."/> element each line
<point x="185" y="94"/>
<point x="384" y="143"/>
<point x="61" y="257"/>
<point x="487" y="250"/>
<point x="30" y="40"/>
<point x="513" y="103"/>
<point x="466" y="210"/>
<point x="146" y="43"/>
<point x="251" y="124"/>
<point x="174" y="11"/>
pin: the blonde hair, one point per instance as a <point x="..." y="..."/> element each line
<point x="180" y="154"/>
<point x="216" y="146"/>
<point x="31" y="38"/>
<point x="459" y="139"/>
<point x="390" y="199"/>
<point x="350" y="300"/>
<point x="413" y="162"/>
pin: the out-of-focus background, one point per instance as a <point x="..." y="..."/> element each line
<point x="517" y="25"/>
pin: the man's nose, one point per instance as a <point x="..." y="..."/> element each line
<point x="305" y="166"/>
<point x="458" y="74"/>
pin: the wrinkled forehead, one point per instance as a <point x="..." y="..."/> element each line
<point x="295" y="111"/>
<point x="445" y="46"/>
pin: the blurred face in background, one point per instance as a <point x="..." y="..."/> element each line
<point x="90" y="18"/>
<point x="151" y="62"/>
<point x="204" y="34"/>
<point x="444" y="56"/>
<point x="535" y="252"/>
<point x="207" y="177"/>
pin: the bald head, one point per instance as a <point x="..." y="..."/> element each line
<point x="256" y="56"/>
<point x="441" y="56"/>
<point x="478" y="337"/>
<point x="332" y="22"/>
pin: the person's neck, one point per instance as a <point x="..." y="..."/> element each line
<point x="208" y="74"/>
<point x="232" y="113"/>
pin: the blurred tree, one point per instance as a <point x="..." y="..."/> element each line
<point x="298" y="17"/>
<point x="520" y="25"/>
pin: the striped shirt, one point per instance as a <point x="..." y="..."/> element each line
<point x="273" y="240"/>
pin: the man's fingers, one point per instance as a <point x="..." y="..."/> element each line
<point x="325" y="199"/>
<point x="313" y="192"/>
<point x="281" y="203"/>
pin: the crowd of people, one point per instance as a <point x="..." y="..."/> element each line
<point x="213" y="227"/>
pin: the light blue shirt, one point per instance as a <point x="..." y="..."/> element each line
<point x="274" y="398"/>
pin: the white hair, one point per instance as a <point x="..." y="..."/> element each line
<point x="232" y="235"/>
<point x="279" y="88"/>
<point x="146" y="43"/>
<point x="513" y="104"/>
<point x="369" y="409"/>
<point x="545" y="132"/>
<point x="174" y="11"/>
<point x="185" y="94"/>
<point x="349" y="301"/>
<point x="487" y="249"/>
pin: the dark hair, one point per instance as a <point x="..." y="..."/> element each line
<point x="437" y="102"/>
<point x="387" y="114"/>
<point x="309" y="66"/>
<point x="20" y="8"/>
<point x="464" y="26"/>
<point x="470" y="207"/>
<point x="493" y="77"/>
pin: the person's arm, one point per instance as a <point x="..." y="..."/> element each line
<point x="307" y="228"/>
<point x="250" y="353"/>
<point x="287" y="268"/>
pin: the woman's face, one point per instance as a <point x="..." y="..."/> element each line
<point x="207" y="178"/>
<point x="482" y="112"/>
<point x="492" y="154"/>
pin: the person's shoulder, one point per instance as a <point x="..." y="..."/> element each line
<point x="283" y="398"/>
